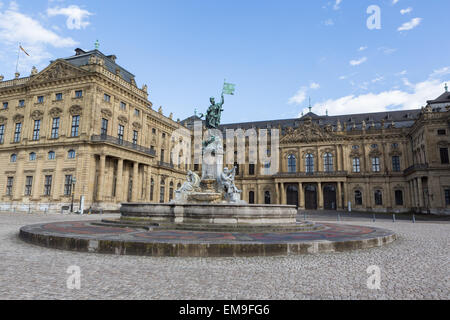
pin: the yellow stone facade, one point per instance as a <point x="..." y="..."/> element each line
<point x="108" y="138"/>
<point x="90" y="102"/>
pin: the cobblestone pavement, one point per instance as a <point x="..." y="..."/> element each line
<point x="415" y="267"/>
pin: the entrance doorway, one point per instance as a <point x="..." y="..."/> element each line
<point x="329" y="197"/>
<point x="292" y="195"/>
<point x="311" y="197"/>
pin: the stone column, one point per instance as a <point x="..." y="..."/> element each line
<point x="320" y="196"/>
<point x="119" y="181"/>
<point x="147" y="183"/>
<point x="135" y="190"/>
<point x="339" y="196"/>
<point x="346" y="195"/>
<point x="283" y="194"/>
<point x="420" y="192"/>
<point x="19" y="179"/>
<point x="101" y="177"/>
<point x="416" y="193"/>
<point x="37" y="190"/>
<point x="301" y="200"/>
<point x="277" y="192"/>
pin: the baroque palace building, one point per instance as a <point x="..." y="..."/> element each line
<point x="82" y="129"/>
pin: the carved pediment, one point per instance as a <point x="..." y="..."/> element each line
<point x="136" y="126"/>
<point x="123" y="120"/>
<point x="55" y="112"/>
<point x="18" y="118"/>
<point x="37" y="115"/>
<point x="58" y="70"/>
<point x="308" y="132"/>
<point x="106" y="113"/>
<point x="76" y="110"/>
<point x="375" y="153"/>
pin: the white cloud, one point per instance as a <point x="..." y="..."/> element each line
<point x="378" y="79"/>
<point x="394" y="2"/>
<point x="329" y="22"/>
<point x="401" y="73"/>
<point x="397" y="99"/>
<point x="358" y="62"/>
<point x="410" y="25"/>
<point x="362" y="48"/>
<point x="300" y="96"/>
<point x="387" y="50"/>
<point x="76" y="17"/>
<point x="440" y="72"/>
<point x="16" y="27"/>
<point x="336" y="5"/>
<point x="405" y="11"/>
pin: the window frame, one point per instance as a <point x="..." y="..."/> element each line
<point x="17" y="132"/>
<point x="309" y="163"/>
<point x="56" y="122"/>
<point x="28" y="186"/>
<point x="292" y="163"/>
<point x="48" y="181"/>
<point x="36" y="130"/>
<point x="376" y="164"/>
<point x="75" y="130"/>
<point x="396" y="164"/>
<point x="9" y="186"/>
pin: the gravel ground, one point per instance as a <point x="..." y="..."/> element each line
<point x="415" y="267"/>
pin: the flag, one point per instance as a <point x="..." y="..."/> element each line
<point x="229" y="88"/>
<point x="21" y="48"/>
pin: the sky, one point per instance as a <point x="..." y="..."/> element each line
<point x="347" y="56"/>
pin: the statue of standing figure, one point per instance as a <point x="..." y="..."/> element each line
<point x="214" y="113"/>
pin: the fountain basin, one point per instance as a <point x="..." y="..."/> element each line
<point x="214" y="214"/>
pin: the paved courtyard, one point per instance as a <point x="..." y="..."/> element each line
<point x="415" y="267"/>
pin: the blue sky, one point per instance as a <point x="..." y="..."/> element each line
<point x="278" y="53"/>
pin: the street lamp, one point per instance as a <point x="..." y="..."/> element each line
<point x="74" y="181"/>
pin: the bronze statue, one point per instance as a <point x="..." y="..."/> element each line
<point x="214" y="114"/>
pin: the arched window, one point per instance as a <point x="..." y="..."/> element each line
<point x="267" y="197"/>
<point x="378" y="198"/>
<point x="358" y="198"/>
<point x="292" y="163"/>
<point x="179" y="186"/>
<point x="13" y="158"/>
<point x="356" y="165"/>
<point x="399" y="197"/>
<point x="251" y="197"/>
<point x="51" y="155"/>
<point x="171" y="191"/>
<point x="152" y="189"/>
<point x="32" y="156"/>
<point x="71" y="154"/>
<point x="328" y="162"/>
<point x="309" y="163"/>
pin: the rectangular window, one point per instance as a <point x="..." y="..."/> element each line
<point x="68" y="185"/>
<point x="356" y="165"/>
<point x="123" y="105"/>
<point x="9" y="186"/>
<point x="21" y="103"/>
<point x="378" y="198"/>
<point x="399" y="198"/>
<point x="447" y="197"/>
<point x="120" y="133"/>
<point x="2" y="133"/>
<point x="137" y="112"/>
<point x="48" y="185"/>
<point x="396" y="164"/>
<point x="251" y="169"/>
<point x="5" y="105"/>
<point x="36" y="130"/>
<point x="55" y="128"/>
<point x="376" y="165"/>
<point x="17" y="132"/>
<point x="162" y="192"/>
<point x="442" y="132"/>
<point x="135" y="137"/>
<point x="28" y="185"/>
<point x="40" y="99"/>
<point x="444" y="156"/>
<point x="104" y="130"/>
<point x="59" y="96"/>
<point x="153" y="131"/>
<point x="75" y="126"/>
<point x="107" y="97"/>
<point x="79" y="94"/>
<point x="162" y="155"/>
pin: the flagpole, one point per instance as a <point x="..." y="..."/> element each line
<point x="18" y="56"/>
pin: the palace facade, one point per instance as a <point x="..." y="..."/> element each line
<point x="82" y="129"/>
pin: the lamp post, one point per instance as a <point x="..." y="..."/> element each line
<point x="74" y="181"/>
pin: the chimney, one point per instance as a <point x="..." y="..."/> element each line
<point x="79" y="52"/>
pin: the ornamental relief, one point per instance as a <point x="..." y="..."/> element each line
<point x="18" y="118"/>
<point x="106" y="113"/>
<point x="355" y="153"/>
<point x="309" y="151"/>
<point x="3" y="120"/>
<point x="123" y="120"/>
<point x="308" y="132"/>
<point x="76" y="110"/>
<point x="37" y="115"/>
<point x="375" y="153"/>
<point x="137" y="126"/>
<point x="55" y="112"/>
<point x="58" y="71"/>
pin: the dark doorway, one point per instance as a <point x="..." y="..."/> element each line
<point x="292" y="195"/>
<point x="311" y="197"/>
<point x="329" y="198"/>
